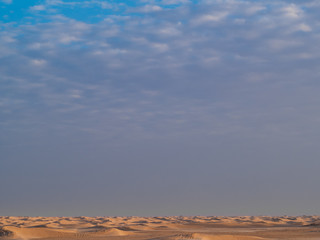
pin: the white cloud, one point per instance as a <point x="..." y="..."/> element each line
<point x="292" y="11"/>
<point x="256" y="77"/>
<point x="171" y="2"/>
<point x="57" y="3"/>
<point x="168" y="31"/>
<point x="254" y="9"/>
<point x="209" y="18"/>
<point x="38" y="62"/>
<point x="303" y="56"/>
<point x="75" y="93"/>
<point x="280" y="44"/>
<point x="8" y="39"/>
<point x="148" y="9"/>
<point x="7" y="1"/>
<point x="105" y="5"/>
<point x="161" y="47"/>
<point x="38" y="8"/>
<point x="125" y="54"/>
<point x="209" y="61"/>
<point x="301" y="27"/>
<point x="240" y="21"/>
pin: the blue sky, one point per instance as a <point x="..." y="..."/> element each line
<point x="169" y="107"/>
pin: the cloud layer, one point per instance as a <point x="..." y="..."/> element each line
<point x="120" y="74"/>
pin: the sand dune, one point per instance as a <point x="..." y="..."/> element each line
<point x="161" y="228"/>
<point x="116" y="232"/>
<point x="199" y="236"/>
<point x="27" y="233"/>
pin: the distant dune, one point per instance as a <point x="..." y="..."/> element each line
<point x="161" y="228"/>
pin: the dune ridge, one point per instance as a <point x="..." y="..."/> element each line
<point x="164" y="228"/>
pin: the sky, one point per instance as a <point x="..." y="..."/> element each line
<point x="159" y="107"/>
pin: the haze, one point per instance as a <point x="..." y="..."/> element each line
<point x="161" y="107"/>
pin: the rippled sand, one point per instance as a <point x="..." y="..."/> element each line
<point x="164" y="228"/>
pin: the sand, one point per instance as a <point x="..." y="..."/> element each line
<point x="161" y="228"/>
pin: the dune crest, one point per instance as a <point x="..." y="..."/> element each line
<point x="161" y="228"/>
<point x="199" y="236"/>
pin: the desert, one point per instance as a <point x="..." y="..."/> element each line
<point x="161" y="228"/>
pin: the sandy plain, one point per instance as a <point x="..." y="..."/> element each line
<point x="161" y="228"/>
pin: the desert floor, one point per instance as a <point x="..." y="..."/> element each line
<point x="165" y="228"/>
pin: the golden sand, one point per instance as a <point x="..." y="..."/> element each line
<point x="161" y="228"/>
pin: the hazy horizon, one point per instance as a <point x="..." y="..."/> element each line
<point x="159" y="108"/>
